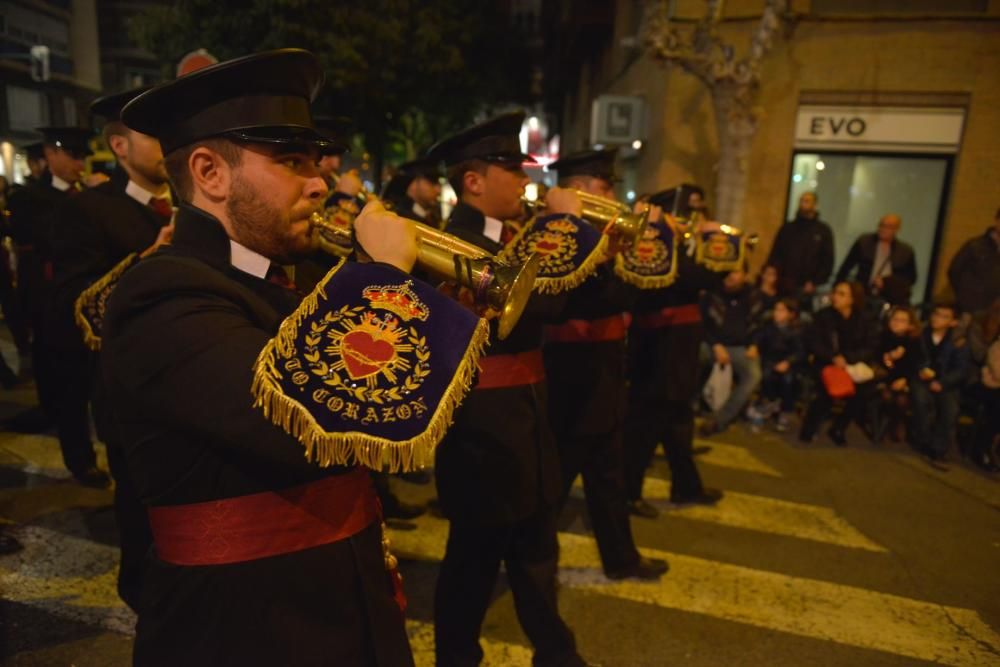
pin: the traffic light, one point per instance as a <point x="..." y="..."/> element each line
<point x="40" y="63"/>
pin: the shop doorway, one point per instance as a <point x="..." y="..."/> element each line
<point x="856" y="189"/>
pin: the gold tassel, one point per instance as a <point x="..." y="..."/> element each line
<point x="646" y="282"/>
<point x="576" y="277"/>
<point x="90" y="338"/>
<point x="354" y="447"/>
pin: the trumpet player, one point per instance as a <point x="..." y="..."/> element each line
<point x="497" y="469"/>
<point x="414" y="191"/>
<point x="585" y="365"/>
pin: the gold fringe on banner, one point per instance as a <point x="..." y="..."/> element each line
<point x="648" y="282"/>
<point x="354" y="447"/>
<point x="573" y="279"/>
<point x="90" y="338"/>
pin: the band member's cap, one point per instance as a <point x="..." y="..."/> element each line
<point x="337" y="130"/>
<point x="34" y="151"/>
<point x="675" y="200"/>
<point x="596" y="163"/>
<point x="110" y="107"/>
<point x="496" y="140"/>
<point x="75" y="140"/>
<point x="407" y="172"/>
<point x="263" y="97"/>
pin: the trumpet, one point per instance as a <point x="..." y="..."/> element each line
<point x="502" y="287"/>
<point x="614" y="217"/>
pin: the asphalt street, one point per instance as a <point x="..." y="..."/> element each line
<point x="817" y="555"/>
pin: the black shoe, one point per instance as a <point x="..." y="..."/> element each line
<point x="397" y="509"/>
<point x="837" y="435"/>
<point x="92" y="477"/>
<point x="8" y="545"/>
<point x="641" y="508"/>
<point x="646" y="569"/>
<point x="706" y="497"/>
<point x="708" y="428"/>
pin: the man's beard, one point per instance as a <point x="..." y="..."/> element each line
<point x="262" y="227"/>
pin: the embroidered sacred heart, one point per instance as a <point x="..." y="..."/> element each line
<point x="546" y="247"/>
<point x="645" y="250"/>
<point x="365" y="354"/>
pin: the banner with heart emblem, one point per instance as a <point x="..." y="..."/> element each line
<point x="721" y="251"/>
<point x="88" y="309"/>
<point x="370" y="368"/>
<point x="651" y="263"/>
<point x="569" y="249"/>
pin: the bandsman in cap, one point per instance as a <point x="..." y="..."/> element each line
<point x="261" y="556"/>
<point x="98" y="235"/>
<point x="497" y="469"/>
<point x="32" y="209"/>
<point x="663" y="348"/>
<point x="585" y="366"/>
<point x="414" y="191"/>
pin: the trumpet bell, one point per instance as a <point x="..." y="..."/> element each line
<point x="514" y="285"/>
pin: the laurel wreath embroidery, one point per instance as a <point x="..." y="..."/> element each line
<point x="367" y="392"/>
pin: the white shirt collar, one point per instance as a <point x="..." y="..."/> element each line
<point x="492" y="229"/>
<point x="60" y="184"/>
<point x="248" y="261"/>
<point x="419" y="210"/>
<point x="141" y="194"/>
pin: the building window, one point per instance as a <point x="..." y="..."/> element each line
<point x="69" y="111"/>
<point x="26" y="108"/>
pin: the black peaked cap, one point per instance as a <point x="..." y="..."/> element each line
<point x="675" y="200"/>
<point x="110" y="107"/>
<point x="495" y="140"/>
<point x="597" y="163"/>
<point x="263" y="97"/>
<point x="74" y="139"/>
<point x="337" y="130"/>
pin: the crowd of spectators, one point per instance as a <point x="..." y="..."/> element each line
<point x="862" y="353"/>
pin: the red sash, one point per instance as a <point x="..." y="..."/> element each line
<point x="590" y="331"/>
<point x="260" y="525"/>
<point x="510" y="370"/>
<point x="670" y="316"/>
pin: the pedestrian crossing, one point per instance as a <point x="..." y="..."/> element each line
<point x="71" y="576"/>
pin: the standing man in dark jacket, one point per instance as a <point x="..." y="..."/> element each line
<point x="882" y="262"/>
<point x="262" y="556"/>
<point x="974" y="272"/>
<point x="498" y="469"/>
<point x="585" y="365"/>
<point x="803" y="251"/>
<point x="94" y="233"/>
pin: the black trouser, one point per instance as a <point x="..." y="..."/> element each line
<point x="862" y="405"/>
<point x="63" y="375"/>
<point x="13" y="314"/>
<point x="664" y="383"/>
<point x="134" y="535"/>
<point x="529" y="551"/>
<point x="600" y="460"/>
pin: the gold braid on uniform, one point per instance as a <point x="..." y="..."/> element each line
<point x="354" y="447"/>
<point x="93" y="301"/>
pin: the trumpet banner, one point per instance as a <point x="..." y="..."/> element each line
<point x="88" y="309"/>
<point x="721" y="251"/>
<point x="569" y="249"/>
<point x="651" y="263"/>
<point x="370" y="368"/>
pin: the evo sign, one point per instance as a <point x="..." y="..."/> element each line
<point x="880" y="129"/>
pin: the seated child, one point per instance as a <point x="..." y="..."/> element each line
<point x="901" y="358"/>
<point x="935" y="394"/>
<point x="781" y="352"/>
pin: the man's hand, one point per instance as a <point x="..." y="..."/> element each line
<point x="897" y="353"/>
<point x="839" y="361"/>
<point x="782" y="367"/>
<point x="927" y="374"/>
<point x="936" y="387"/>
<point x="164" y="237"/>
<point x="655" y="212"/>
<point x="721" y="354"/>
<point x="563" y="201"/>
<point x="95" y="179"/>
<point x="753" y="352"/>
<point x="899" y="384"/>
<point x="349" y="183"/>
<point x="386" y="237"/>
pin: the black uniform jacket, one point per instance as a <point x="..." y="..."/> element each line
<point x="91" y="233"/>
<point x="182" y="331"/>
<point x="587" y="379"/>
<point x="498" y="463"/>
